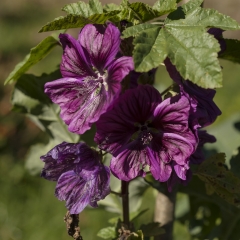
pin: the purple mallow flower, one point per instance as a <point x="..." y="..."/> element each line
<point x="206" y="111"/>
<point x="141" y="129"/>
<point x="91" y="75"/>
<point x="81" y="177"/>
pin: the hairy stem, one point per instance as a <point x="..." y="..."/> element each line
<point x="125" y="203"/>
<point x="164" y="213"/>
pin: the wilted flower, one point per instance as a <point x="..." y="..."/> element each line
<point x="81" y="177"/>
<point x="91" y="75"/>
<point x="141" y="130"/>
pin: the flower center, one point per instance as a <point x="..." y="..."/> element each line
<point x="101" y="78"/>
<point x="145" y="137"/>
<point x="143" y="134"/>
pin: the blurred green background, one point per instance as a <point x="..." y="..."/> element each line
<point x="28" y="208"/>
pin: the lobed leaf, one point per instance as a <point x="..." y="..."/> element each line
<point x="36" y="54"/>
<point x="84" y="9"/>
<point x="214" y="172"/>
<point x="136" y="30"/>
<point x="232" y="52"/>
<point x="76" y="21"/>
<point x="191" y="14"/>
<point x="192" y="50"/>
<point x="165" y="6"/>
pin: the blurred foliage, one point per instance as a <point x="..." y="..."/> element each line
<point x="28" y="208"/>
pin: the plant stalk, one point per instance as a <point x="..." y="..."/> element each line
<point x="125" y="203"/>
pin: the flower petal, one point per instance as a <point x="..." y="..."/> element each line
<point x="116" y="127"/>
<point x="75" y="61"/>
<point x="74" y="190"/>
<point x="81" y="102"/>
<point x="68" y="156"/>
<point x="101" y="43"/>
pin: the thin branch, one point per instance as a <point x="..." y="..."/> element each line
<point x="125" y="203"/>
<point x="72" y="221"/>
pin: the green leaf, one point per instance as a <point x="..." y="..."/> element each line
<point x="36" y="54"/>
<point x="84" y="9"/>
<point x="165" y="6"/>
<point x="197" y="16"/>
<point x="232" y="52"/>
<point x="135" y="30"/>
<point x="152" y="229"/>
<point x="107" y="233"/>
<point x="214" y="172"/>
<point x="111" y="7"/>
<point x="76" y="21"/>
<point x="191" y="49"/>
<point x="135" y="12"/>
<point x="29" y="98"/>
<point x="207" y="18"/>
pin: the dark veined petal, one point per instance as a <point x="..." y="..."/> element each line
<point x="68" y="156"/>
<point x="75" y="60"/>
<point x="79" y="191"/>
<point x="81" y="102"/>
<point x="172" y="115"/>
<point x="116" y="127"/>
<point x="74" y="190"/>
<point x="102" y="44"/>
<point x="129" y="163"/>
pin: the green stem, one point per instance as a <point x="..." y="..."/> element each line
<point x="125" y="203"/>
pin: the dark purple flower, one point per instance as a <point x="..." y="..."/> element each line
<point x="91" y="75"/>
<point x="198" y="157"/>
<point x="141" y="130"/>
<point x="81" y="177"/>
<point x="174" y="180"/>
<point x="206" y="111"/>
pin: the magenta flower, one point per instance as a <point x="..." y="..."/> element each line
<point x="81" y="177"/>
<point x="141" y="130"/>
<point x="206" y="111"/>
<point x="91" y="73"/>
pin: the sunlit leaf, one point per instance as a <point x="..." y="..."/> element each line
<point x="165" y="6"/>
<point x="84" y="9"/>
<point x="36" y="54"/>
<point x="76" y="21"/>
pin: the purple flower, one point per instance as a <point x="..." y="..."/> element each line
<point x="81" y="177"/>
<point x="141" y="130"/>
<point x="198" y="157"/>
<point x="206" y="111"/>
<point x="91" y="75"/>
